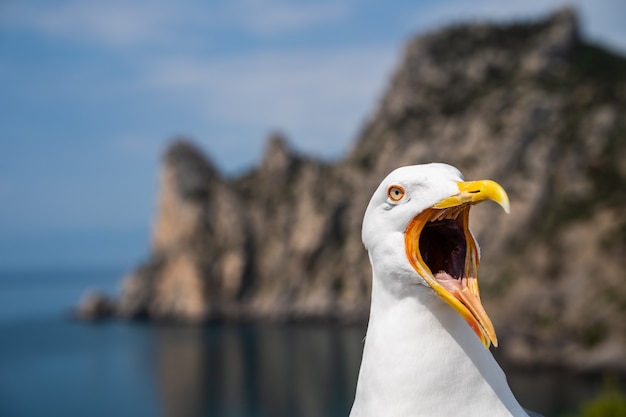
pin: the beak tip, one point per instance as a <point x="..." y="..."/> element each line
<point x="503" y="199"/>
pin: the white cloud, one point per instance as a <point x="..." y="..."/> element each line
<point x="110" y="23"/>
<point x="277" y="16"/>
<point x="119" y="23"/>
<point x="319" y="96"/>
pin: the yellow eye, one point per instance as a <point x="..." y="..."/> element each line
<point x="395" y="193"/>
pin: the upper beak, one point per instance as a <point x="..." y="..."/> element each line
<point x="474" y="192"/>
<point x="460" y="292"/>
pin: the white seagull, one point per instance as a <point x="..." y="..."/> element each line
<point x="421" y="355"/>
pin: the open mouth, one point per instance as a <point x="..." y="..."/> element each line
<point x="442" y="250"/>
<point x="443" y="245"/>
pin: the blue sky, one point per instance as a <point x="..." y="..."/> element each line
<point x="92" y="91"/>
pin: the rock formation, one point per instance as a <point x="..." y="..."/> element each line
<point x="531" y="105"/>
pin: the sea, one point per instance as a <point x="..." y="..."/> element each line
<point x="51" y="365"/>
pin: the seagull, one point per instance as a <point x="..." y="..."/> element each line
<point x="426" y="347"/>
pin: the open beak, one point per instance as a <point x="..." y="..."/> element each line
<point x="442" y="250"/>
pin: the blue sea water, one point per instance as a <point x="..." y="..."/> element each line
<point x="53" y="366"/>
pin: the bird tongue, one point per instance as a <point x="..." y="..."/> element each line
<point x="451" y="283"/>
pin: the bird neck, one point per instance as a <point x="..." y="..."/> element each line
<point x="421" y="358"/>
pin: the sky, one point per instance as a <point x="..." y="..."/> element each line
<point x="91" y="93"/>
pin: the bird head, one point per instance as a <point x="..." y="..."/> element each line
<point x="416" y="227"/>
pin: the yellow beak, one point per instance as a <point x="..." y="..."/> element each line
<point x="473" y="192"/>
<point x="439" y="238"/>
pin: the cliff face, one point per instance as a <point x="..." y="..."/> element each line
<point x="530" y="105"/>
<point x="280" y="242"/>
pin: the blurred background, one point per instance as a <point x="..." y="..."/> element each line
<point x="91" y="95"/>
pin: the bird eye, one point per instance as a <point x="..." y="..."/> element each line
<point x="395" y="193"/>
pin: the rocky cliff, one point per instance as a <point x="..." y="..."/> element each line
<point x="531" y="105"/>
